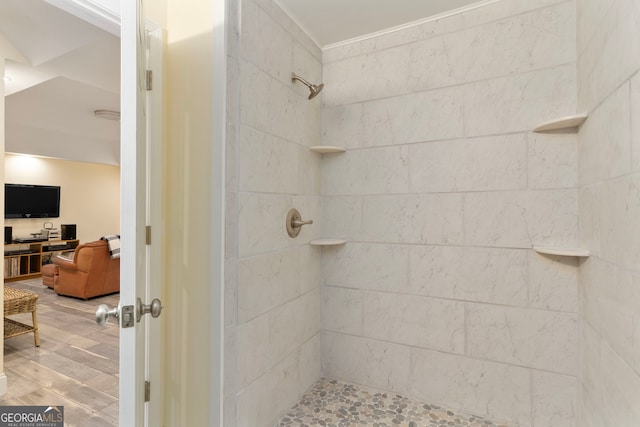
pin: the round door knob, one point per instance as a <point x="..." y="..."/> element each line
<point x="154" y="309"/>
<point x="104" y="312"/>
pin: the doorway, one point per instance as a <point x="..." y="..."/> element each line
<point x="60" y="71"/>
<point x="192" y="370"/>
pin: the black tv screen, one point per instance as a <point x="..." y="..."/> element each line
<point x="31" y="201"/>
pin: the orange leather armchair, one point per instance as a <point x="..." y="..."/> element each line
<point x="91" y="273"/>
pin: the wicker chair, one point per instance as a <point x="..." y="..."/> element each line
<point x="18" y="301"/>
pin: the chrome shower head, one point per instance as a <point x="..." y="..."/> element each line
<point x="314" y="89"/>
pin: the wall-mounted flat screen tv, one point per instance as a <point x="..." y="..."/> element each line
<point x="31" y="201"/>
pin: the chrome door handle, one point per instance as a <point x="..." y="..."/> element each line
<point x="104" y="312"/>
<point x="126" y="313"/>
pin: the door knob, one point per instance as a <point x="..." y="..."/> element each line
<point x="104" y="312"/>
<point x="155" y="308"/>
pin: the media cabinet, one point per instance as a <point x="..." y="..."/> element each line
<point x="25" y="260"/>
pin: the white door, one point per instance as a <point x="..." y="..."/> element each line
<point x="140" y="210"/>
<point x="139" y="357"/>
<point x="140" y="274"/>
<point x="140" y="207"/>
<point x="155" y="219"/>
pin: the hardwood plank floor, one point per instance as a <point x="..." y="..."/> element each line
<point x="76" y="365"/>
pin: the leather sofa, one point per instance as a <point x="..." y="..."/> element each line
<point x="91" y="273"/>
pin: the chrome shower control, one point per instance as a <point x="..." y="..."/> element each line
<point x="299" y="223"/>
<point x="294" y="222"/>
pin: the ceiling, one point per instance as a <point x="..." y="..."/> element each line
<point x="60" y="69"/>
<point x="329" y="22"/>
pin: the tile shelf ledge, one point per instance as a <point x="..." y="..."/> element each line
<point x="327" y="242"/>
<point x="327" y="149"/>
<point x="563" y="123"/>
<point x="561" y="251"/>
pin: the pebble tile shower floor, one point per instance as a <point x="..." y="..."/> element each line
<point x="334" y="403"/>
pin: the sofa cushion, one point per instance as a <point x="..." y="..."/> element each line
<point x="50" y="274"/>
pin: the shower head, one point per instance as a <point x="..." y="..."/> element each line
<point x="314" y="89"/>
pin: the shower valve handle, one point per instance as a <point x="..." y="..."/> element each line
<point x="294" y="222"/>
<point x="299" y="223"/>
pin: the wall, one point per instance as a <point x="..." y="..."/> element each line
<point x="273" y="281"/>
<point x="441" y="194"/>
<point x="609" y="158"/>
<point x="89" y="194"/>
<point x="3" y="55"/>
<point x="188" y="338"/>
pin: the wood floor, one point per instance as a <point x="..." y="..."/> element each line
<point x="76" y="365"/>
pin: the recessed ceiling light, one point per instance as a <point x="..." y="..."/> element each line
<point x="7" y="79"/>
<point x="107" y="114"/>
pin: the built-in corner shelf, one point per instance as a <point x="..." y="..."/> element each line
<point x="563" y="123"/>
<point x="327" y="149"/>
<point x="327" y="242"/>
<point x="561" y="251"/>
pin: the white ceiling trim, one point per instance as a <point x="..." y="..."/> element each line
<point x="407" y="25"/>
<point x="104" y="14"/>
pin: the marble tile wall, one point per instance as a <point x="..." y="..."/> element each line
<point x="441" y="193"/>
<point x="609" y="182"/>
<point x="231" y="216"/>
<point x="272" y="344"/>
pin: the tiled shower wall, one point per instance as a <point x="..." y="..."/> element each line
<point x="273" y="281"/>
<point x="441" y="194"/>
<point x="609" y="157"/>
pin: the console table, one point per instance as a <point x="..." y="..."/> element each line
<point x="25" y="260"/>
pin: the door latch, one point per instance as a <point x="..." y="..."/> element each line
<point x="127" y="316"/>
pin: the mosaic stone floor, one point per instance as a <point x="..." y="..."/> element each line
<point x="334" y="403"/>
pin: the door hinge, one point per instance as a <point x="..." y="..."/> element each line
<point x="148" y="234"/>
<point x="149" y="79"/>
<point x="147" y="391"/>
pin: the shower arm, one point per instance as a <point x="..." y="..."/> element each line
<point x="295" y="77"/>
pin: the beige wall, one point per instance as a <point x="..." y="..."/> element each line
<point x="89" y="194"/>
<point x="188" y="138"/>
